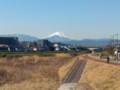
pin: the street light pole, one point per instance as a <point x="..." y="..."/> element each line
<point x="112" y="40"/>
<point x="117" y="46"/>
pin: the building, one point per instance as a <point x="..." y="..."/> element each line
<point x="4" y="48"/>
<point x="117" y="52"/>
<point x="10" y="42"/>
<point x="43" y="45"/>
<point x="61" y="47"/>
<point x="24" y="46"/>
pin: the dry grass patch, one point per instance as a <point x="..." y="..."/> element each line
<point x="31" y="72"/>
<point x="101" y="76"/>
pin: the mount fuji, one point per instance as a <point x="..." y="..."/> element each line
<point x="62" y="38"/>
<point x="58" y="37"/>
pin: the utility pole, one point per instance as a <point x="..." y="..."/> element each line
<point x="117" y="41"/>
<point x="112" y="40"/>
<point x="117" y="44"/>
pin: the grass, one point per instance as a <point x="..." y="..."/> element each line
<point x="42" y="54"/>
<point x="31" y="72"/>
<point x="20" y="54"/>
<point x="101" y="76"/>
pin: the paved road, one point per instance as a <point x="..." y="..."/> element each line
<point x="74" y="76"/>
<point x="76" y="72"/>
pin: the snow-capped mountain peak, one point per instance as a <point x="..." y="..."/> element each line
<point x="61" y="34"/>
<point x="58" y="37"/>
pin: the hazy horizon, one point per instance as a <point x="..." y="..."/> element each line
<point x="78" y="19"/>
<point x="14" y="34"/>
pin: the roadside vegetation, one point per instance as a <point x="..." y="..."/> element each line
<point x="32" y="72"/>
<point x="101" y="76"/>
<point x="20" y="54"/>
<point x="42" y="54"/>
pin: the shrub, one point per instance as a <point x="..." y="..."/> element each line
<point x="73" y="53"/>
<point x="45" y="54"/>
<point x="2" y="55"/>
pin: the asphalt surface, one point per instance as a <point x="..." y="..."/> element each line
<point x="76" y="72"/>
<point x="73" y="76"/>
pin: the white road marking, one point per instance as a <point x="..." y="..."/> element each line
<point x="68" y="86"/>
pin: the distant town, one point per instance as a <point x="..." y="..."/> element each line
<point x="58" y="42"/>
<point x="10" y="44"/>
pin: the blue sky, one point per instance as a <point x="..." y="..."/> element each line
<point x="76" y="18"/>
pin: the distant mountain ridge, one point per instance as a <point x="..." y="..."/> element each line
<point x="62" y="38"/>
<point x="21" y="37"/>
<point x="91" y="42"/>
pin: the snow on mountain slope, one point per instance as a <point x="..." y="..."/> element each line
<point x="61" y="34"/>
<point x="58" y="37"/>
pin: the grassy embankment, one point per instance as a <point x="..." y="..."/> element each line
<point x="33" y="71"/>
<point x="101" y="76"/>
